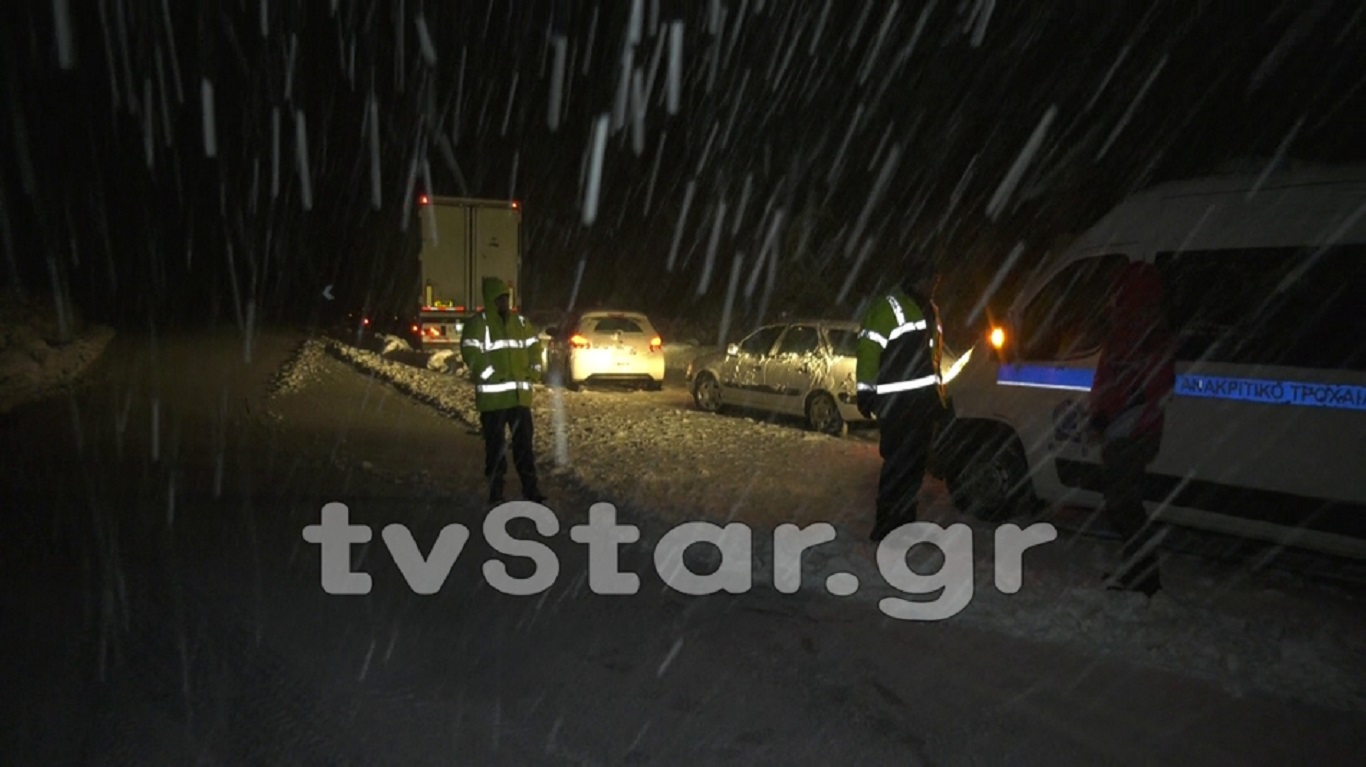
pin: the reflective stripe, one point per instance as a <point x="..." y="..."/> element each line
<point x="902" y="326"/>
<point x="914" y="383"/>
<point x="896" y="309"/>
<point x="472" y="342"/>
<point x="508" y="343"/>
<point x="906" y="327"/>
<point x="488" y="371"/>
<point x="866" y="387"/>
<point x="502" y="387"/>
<point x="874" y="337"/>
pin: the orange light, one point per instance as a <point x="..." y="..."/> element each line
<point x="415" y="330"/>
<point x="515" y="205"/>
<point x="656" y="344"/>
<point x="365" y="321"/>
<point x="422" y="200"/>
<point x="997" y="338"/>
<point x="577" y="341"/>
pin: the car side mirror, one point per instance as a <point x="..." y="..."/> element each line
<point x="732" y="350"/>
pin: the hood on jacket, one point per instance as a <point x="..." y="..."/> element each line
<point x="494" y="287"/>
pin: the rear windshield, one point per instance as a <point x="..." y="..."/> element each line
<point x="843" y="342"/>
<point x="612" y="325"/>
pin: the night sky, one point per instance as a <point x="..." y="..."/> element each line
<point x="857" y="139"/>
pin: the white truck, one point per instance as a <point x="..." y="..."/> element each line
<point x="464" y="240"/>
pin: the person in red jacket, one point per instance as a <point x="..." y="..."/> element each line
<point x="1134" y="380"/>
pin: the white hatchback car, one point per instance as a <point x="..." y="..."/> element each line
<point x="603" y="346"/>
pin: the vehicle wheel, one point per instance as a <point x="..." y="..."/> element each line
<point x="706" y="392"/>
<point x="994" y="483"/>
<point x="824" y="415"/>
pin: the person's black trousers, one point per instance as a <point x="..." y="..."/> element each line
<point x="1124" y="462"/>
<point x="906" y="426"/>
<point x="495" y="425"/>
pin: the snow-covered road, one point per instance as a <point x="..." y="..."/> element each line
<point x="1244" y="629"/>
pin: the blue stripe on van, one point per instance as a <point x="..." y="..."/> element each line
<point x="1045" y="377"/>
<point x="1263" y="390"/>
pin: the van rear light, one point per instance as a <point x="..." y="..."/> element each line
<point x="577" y="341"/>
<point x="656" y="344"/>
<point x="997" y="338"/>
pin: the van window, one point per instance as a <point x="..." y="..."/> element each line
<point x="1070" y="316"/>
<point x="1269" y="306"/>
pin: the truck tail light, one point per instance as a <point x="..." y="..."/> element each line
<point x="656" y="344"/>
<point x="577" y="341"/>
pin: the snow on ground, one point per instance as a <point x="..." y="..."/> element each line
<point x="1247" y="630"/>
<point x="34" y="360"/>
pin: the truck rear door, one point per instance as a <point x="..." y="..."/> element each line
<point x="497" y="247"/>
<point x="445" y="265"/>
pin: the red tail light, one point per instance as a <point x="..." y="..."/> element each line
<point x="577" y="341"/>
<point x="656" y="344"/>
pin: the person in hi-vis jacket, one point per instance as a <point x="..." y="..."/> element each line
<point x="503" y="355"/>
<point x="899" y="382"/>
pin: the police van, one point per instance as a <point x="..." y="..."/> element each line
<point x="1265" y="438"/>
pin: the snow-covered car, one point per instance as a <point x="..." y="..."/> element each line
<point x="604" y="346"/>
<point x="803" y="368"/>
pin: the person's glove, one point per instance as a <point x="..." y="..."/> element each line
<point x="867" y="403"/>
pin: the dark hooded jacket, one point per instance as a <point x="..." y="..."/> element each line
<point x="1136" y="373"/>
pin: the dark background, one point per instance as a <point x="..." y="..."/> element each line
<point x="1142" y="92"/>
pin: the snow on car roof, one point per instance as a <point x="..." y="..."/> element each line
<point x="597" y="313"/>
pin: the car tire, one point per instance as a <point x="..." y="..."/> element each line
<point x="993" y="484"/>
<point x="706" y="393"/>
<point x="823" y="415"/>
